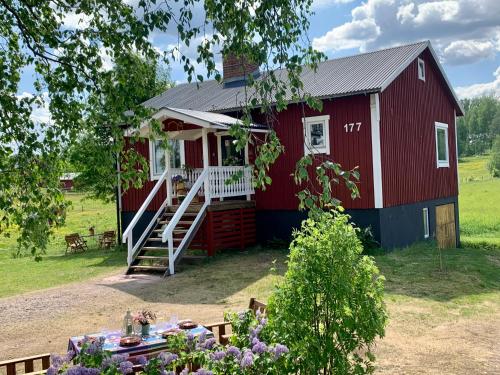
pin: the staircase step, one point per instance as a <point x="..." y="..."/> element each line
<point x="155" y="248"/>
<point x="179" y="231"/>
<point x="149" y="268"/>
<point x="180" y="222"/>
<point x="170" y="214"/>
<point x="158" y="239"/>
<point x="151" y="257"/>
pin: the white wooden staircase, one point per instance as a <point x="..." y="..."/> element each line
<point x="164" y="242"/>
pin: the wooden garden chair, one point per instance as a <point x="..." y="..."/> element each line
<point x="74" y="243"/>
<point x="107" y="239"/>
<point x="222" y="335"/>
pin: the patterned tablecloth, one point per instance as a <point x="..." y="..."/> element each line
<point x="152" y="343"/>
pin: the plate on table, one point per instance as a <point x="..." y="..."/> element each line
<point x="187" y="324"/>
<point x="128" y="341"/>
<point x="170" y="332"/>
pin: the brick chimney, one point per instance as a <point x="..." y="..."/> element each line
<point x="236" y="69"/>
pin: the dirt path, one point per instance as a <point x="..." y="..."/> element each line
<point x="43" y="321"/>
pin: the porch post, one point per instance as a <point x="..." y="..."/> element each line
<point x="204" y="139"/>
<point x="169" y="176"/>
<point x="247" y="164"/>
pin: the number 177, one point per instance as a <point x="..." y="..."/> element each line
<point x="349" y="128"/>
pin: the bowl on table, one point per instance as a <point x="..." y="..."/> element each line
<point x="128" y="341"/>
<point x="187" y="324"/>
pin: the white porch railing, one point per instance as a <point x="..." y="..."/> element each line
<point x="212" y="182"/>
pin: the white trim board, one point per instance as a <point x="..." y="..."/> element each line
<point x="376" y="151"/>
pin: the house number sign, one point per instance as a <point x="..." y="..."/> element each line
<point x="352" y="126"/>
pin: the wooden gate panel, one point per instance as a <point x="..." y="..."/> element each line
<point x="445" y="226"/>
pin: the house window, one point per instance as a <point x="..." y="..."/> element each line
<point x="421" y="69"/>
<point x="316" y="135"/>
<point x="442" y="152"/>
<point x="158" y="153"/>
<point x="425" y="213"/>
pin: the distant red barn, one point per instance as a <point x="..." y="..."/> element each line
<point x="391" y="113"/>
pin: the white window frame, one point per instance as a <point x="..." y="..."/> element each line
<point x="442" y="163"/>
<point x="156" y="176"/>
<point x="425" y="214"/>
<point x="308" y="148"/>
<point x="421" y="69"/>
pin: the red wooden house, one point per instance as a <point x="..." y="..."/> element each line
<point x="392" y="113"/>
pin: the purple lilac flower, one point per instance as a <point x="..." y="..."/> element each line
<point x="279" y="350"/>
<point x="234" y="351"/>
<point x="247" y="360"/>
<point x="56" y="360"/>
<point x="209" y="344"/>
<point x="70" y="355"/>
<point x="142" y="360"/>
<point x="202" y="337"/>
<point x="185" y="372"/>
<point x="51" y="371"/>
<point x="242" y="315"/>
<point x="218" y="355"/>
<point x="202" y="371"/>
<point x="79" y="370"/>
<point x="167" y="358"/>
<point x="90" y="371"/>
<point x="126" y="367"/>
<point x="115" y="359"/>
<point x="259" y="348"/>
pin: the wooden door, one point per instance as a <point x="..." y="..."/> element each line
<point x="445" y="226"/>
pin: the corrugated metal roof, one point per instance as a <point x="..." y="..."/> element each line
<point x="363" y="73"/>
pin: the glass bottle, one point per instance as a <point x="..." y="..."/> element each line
<point x="128" y="324"/>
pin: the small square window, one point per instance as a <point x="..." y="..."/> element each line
<point x="425" y="213"/>
<point x="442" y="152"/>
<point x="316" y="135"/>
<point x="421" y="69"/>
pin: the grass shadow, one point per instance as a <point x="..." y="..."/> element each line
<point x="214" y="280"/>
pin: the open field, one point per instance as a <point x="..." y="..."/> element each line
<point x="479" y="202"/>
<point x="23" y="274"/>
<point x="441" y="321"/>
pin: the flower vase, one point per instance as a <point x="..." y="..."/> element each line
<point x="145" y="329"/>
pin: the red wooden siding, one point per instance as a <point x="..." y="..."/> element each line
<point x="409" y="108"/>
<point x="348" y="149"/>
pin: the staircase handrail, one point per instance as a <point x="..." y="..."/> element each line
<point x="144" y="205"/>
<point x="184" y="205"/>
<point x="167" y="235"/>
<point x="127" y="234"/>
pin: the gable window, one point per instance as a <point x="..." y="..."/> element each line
<point x="157" y="154"/>
<point x="442" y="152"/>
<point x="425" y="213"/>
<point x="421" y="69"/>
<point x="316" y="135"/>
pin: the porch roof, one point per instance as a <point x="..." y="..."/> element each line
<point x="209" y="120"/>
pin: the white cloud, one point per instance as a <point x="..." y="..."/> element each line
<point x="385" y="23"/>
<point x="468" y="51"/>
<point x="350" y="35"/>
<point x="40" y="112"/>
<point x="480" y="89"/>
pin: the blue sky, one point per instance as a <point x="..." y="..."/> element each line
<point x="464" y="33"/>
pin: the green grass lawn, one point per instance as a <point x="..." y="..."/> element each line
<point x="479" y="202"/>
<point x="24" y="274"/>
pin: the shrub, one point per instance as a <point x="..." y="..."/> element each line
<point x="494" y="164"/>
<point x="329" y="308"/>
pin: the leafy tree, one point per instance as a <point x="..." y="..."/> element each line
<point x="494" y="164"/>
<point x="94" y="154"/>
<point x="329" y="308"/>
<point x="477" y="129"/>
